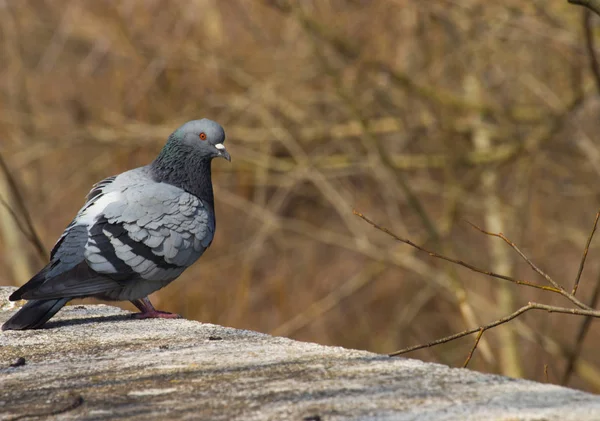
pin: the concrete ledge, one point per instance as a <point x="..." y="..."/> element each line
<point x="93" y="362"/>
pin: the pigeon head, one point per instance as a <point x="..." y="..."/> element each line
<point x="203" y="138"/>
<point x="185" y="160"/>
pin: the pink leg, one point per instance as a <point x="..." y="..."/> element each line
<point x="147" y="311"/>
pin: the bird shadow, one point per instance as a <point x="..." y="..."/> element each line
<point x="87" y="320"/>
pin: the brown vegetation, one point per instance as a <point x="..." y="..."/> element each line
<point x="420" y="114"/>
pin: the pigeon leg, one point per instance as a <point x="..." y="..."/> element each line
<point x="147" y="311"/>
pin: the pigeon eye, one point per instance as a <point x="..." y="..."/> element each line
<point x="202" y="136"/>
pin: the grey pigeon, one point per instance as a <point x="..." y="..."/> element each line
<point x="137" y="232"/>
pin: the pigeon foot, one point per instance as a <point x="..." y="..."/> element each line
<point x="147" y="311"/>
<point x="155" y="315"/>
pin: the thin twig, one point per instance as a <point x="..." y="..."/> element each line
<point x="593" y="5"/>
<point x="473" y="348"/>
<point x="518" y="250"/>
<point x="584" y="309"/>
<point x="31" y="233"/>
<point x="585" y="253"/>
<point x="536" y="269"/>
<point x="530" y="306"/>
<point x="573" y="356"/>
<point x="566" y="310"/>
<point x="455" y="261"/>
<point x="27" y="234"/>
<point x="590" y="46"/>
<point x="463" y="333"/>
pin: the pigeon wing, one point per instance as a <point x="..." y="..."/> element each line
<point x="95" y="193"/>
<point x="155" y="230"/>
<point x="67" y="270"/>
<point x="130" y="229"/>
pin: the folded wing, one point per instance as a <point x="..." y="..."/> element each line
<point x="131" y="229"/>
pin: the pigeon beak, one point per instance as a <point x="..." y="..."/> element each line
<point x="222" y="151"/>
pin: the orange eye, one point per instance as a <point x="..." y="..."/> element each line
<point x="202" y="136"/>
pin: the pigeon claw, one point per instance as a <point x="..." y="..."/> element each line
<point x="155" y="315"/>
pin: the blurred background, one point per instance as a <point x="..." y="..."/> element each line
<point x="421" y="115"/>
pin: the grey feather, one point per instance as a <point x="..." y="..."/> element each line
<point x="34" y="314"/>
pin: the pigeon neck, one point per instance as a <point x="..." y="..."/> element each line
<point x="188" y="172"/>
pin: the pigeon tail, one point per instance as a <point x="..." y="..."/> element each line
<point x="32" y="284"/>
<point x="34" y="314"/>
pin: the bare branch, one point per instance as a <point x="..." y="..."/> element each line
<point x="39" y="248"/>
<point x="530" y="306"/>
<point x="584" y="309"/>
<point x="593" y="5"/>
<point x="557" y="287"/>
<point x="585" y="253"/>
<point x="463" y="333"/>
<point x="458" y="262"/>
<point x="31" y="233"/>
<point x="473" y="348"/>
<point x="514" y="246"/>
<point x="573" y="356"/>
<point x="590" y="46"/>
<point x="566" y="310"/>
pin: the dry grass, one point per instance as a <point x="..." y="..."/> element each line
<point x="329" y="106"/>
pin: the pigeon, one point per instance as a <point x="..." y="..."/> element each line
<point x="137" y="232"/>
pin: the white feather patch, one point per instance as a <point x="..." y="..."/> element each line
<point x="89" y="215"/>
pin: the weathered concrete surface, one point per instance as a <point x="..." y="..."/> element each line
<point x="93" y="362"/>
